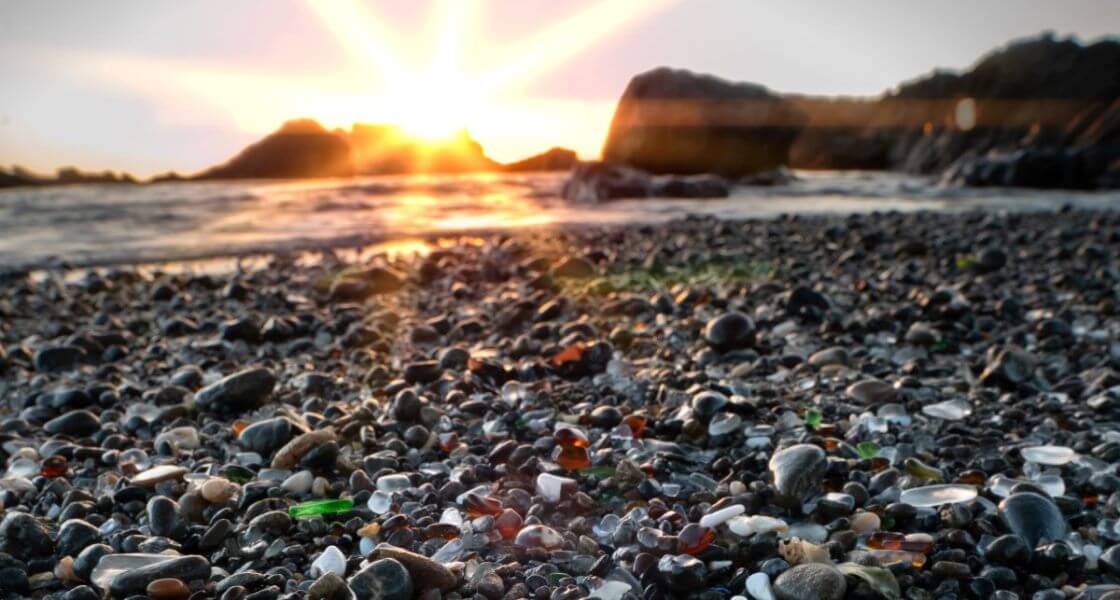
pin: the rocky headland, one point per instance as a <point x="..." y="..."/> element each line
<point x="1040" y="113"/>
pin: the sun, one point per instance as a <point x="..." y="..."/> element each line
<point x="433" y="108"/>
<point x="439" y="101"/>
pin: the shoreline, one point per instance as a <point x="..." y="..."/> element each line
<point x="178" y="259"/>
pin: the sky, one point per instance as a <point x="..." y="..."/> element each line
<point x="150" y="86"/>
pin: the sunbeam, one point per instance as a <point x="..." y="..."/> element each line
<point x="359" y="30"/>
<point x="553" y="46"/>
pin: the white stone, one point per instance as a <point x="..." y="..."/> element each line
<point x="184" y="438"/>
<point x="380" y="502"/>
<point x="393" y="483"/>
<point x="452" y="516"/>
<point x="299" y="482"/>
<point x="330" y="561"/>
<point x="551" y="487"/>
<point x="807" y="531"/>
<point x="724" y="423"/>
<point x="747" y="526"/>
<point x="320" y="486"/>
<point x="758" y="586"/>
<point x="722" y="515"/>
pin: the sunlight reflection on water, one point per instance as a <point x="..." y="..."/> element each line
<point x="99" y="224"/>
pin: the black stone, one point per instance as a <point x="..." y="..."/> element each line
<point x="76" y="423"/>
<point x="135" y="581"/>
<point x="24" y="537"/>
<point x="384" y="579"/>
<point x="242" y="391"/>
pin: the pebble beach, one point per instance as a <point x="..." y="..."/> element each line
<point x="918" y="405"/>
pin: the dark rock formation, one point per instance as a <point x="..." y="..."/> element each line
<point x="305" y="149"/>
<point x="594" y="182"/>
<point x="18" y="176"/>
<point x="1040" y="112"/>
<point x="385" y="149"/>
<point x="679" y="122"/>
<point x="555" y="159"/>
<point x="301" y="148"/>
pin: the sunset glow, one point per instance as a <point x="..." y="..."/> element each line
<point x="150" y="87"/>
<point x="439" y="100"/>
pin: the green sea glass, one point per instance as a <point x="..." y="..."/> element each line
<point x="867" y="450"/>
<point x="813" y="418"/>
<point x="315" y="508"/>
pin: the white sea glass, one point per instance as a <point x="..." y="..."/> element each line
<point x="721" y="516"/>
<point x="1048" y="455"/>
<point x="949" y="410"/>
<point x="937" y="495"/>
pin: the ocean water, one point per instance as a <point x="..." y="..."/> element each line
<point x="89" y="225"/>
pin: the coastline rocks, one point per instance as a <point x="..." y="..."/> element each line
<point x="236" y="393"/>
<point x="810" y="581"/>
<point x="680" y="122"/>
<point x="553" y="159"/>
<point x="1040" y="112"/>
<point x="300" y="148"/>
<point x="596" y="182"/>
<point x="383" y="579"/>
<point x="797" y="473"/>
<point x="1027" y="168"/>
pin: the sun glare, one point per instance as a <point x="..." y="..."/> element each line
<point x="439" y="101"/>
<point x="433" y="97"/>
<point x="432" y="108"/>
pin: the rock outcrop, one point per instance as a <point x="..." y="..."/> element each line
<point x="19" y="176"/>
<point x="680" y="122"/>
<point x="304" y="148"/>
<point x="385" y="149"/>
<point x="555" y="159"/>
<point x="1040" y="112"/>
<point x="594" y="182"/>
<point x="301" y="148"/>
